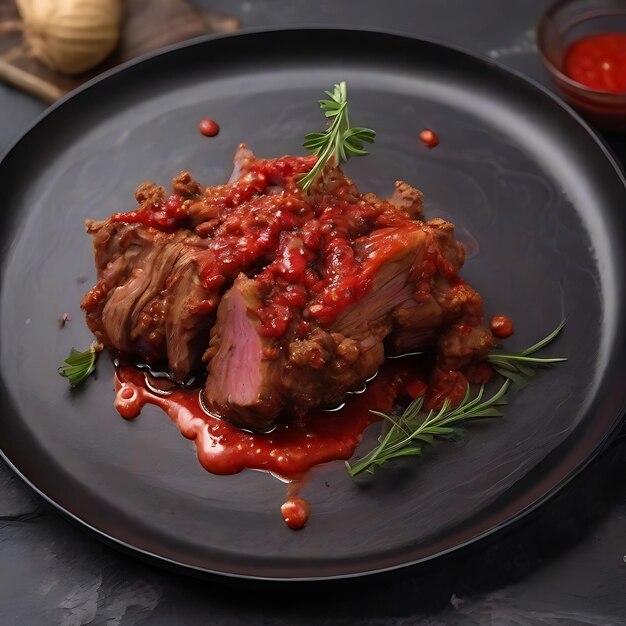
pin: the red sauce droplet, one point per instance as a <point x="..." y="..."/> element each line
<point x="599" y="62"/>
<point x="129" y="400"/>
<point x="502" y="326"/>
<point x="295" y="512"/>
<point x="208" y="128"/>
<point x="429" y="138"/>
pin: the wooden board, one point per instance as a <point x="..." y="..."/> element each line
<point x="147" y="25"/>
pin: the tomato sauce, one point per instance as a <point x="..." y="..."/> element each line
<point x="429" y="138"/>
<point x="445" y="385"/>
<point x="319" y="253"/>
<point x="295" y="512"/>
<point x="502" y="326"/>
<point x="208" y="128"/>
<point x="598" y="62"/>
<point x="289" y="450"/>
<point x="293" y="448"/>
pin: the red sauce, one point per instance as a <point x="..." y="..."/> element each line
<point x="599" y="62"/>
<point x="502" y="326"/>
<point x="319" y="253"/>
<point x="479" y="373"/>
<point x="208" y="128"/>
<point x="416" y="388"/>
<point x="429" y="138"/>
<point x="290" y="449"/>
<point x="445" y="385"/>
<point x="295" y="512"/>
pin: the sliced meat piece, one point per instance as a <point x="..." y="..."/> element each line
<point x="133" y="264"/>
<point x="242" y="383"/>
<point x="188" y="314"/>
<point x="144" y="286"/>
<point x="148" y="300"/>
<point x="386" y="258"/>
<point x="252" y="381"/>
<point x="440" y="299"/>
<point x="319" y="369"/>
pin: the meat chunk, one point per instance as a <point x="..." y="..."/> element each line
<point x="252" y="381"/>
<point x="148" y="300"/>
<point x="242" y="372"/>
<point x="321" y="367"/>
<point x="289" y="300"/>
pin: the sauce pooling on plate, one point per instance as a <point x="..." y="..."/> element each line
<point x="292" y="448"/>
<point x="598" y="62"/>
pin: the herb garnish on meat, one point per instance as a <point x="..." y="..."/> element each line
<point x="339" y="142"/>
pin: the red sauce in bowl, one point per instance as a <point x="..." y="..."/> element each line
<point x="598" y="62"/>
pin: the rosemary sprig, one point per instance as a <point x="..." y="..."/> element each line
<point x="78" y="365"/>
<point x="339" y="142"/>
<point x="520" y="368"/>
<point x="406" y="434"/>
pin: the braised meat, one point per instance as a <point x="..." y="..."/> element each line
<point x="289" y="301"/>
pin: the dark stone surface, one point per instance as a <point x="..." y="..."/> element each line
<point x="565" y="565"/>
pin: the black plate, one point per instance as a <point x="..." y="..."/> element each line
<point x="515" y="169"/>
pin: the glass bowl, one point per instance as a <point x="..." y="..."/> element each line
<point x="564" y="23"/>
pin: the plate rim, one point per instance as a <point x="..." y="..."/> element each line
<point x="510" y="521"/>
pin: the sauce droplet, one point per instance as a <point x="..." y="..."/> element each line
<point x="295" y="512"/>
<point x="502" y="326"/>
<point x="429" y="138"/>
<point x="129" y="400"/>
<point x="208" y="128"/>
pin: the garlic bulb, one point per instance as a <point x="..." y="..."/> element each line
<point x="71" y="36"/>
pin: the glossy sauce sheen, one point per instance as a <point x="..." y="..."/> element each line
<point x="599" y="62"/>
<point x="290" y="449"/>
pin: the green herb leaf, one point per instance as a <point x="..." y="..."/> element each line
<point x="405" y="435"/>
<point x="339" y="142"/>
<point x="78" y="365"/>
<point x="520" y="368"/>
